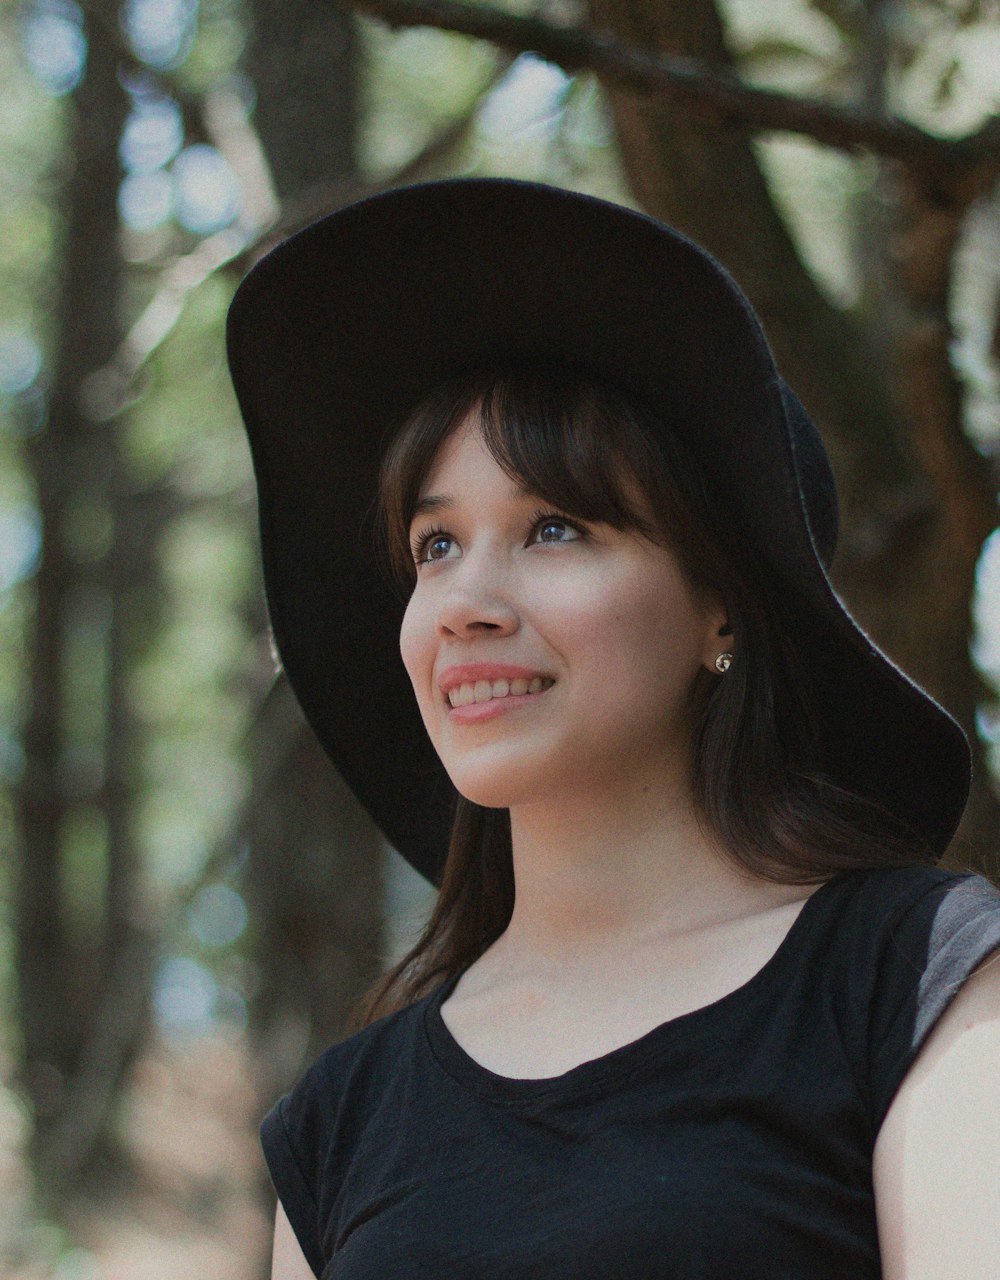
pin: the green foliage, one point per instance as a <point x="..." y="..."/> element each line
<point x="189" y="620"/>
<point x="415" y="81"/>
<point x="32" y="137"/>
<point x="940" y="56"/>
<point x="526" y="118"/>
<point x="188" y="688"/>
<point x="217" y="48"/>
<point x="184" y="430"/>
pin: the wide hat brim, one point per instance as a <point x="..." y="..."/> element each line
<point x="338" y="333"/>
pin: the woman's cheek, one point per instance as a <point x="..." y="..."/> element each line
<point x="414" y="646"/>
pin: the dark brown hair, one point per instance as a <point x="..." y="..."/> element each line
<point x="588" y="448"/>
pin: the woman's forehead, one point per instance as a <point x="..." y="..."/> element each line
<point x="468" y="430"/>
<point x="463" y="461"/>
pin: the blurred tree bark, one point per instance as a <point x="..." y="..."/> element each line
<point x="314" y="867"/>
<point x="303" y="60"/>
<point x="314" y="884"/>
<point x="82" y="966"/>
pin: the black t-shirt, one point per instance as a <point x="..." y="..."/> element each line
<point x="732" y="1141"/>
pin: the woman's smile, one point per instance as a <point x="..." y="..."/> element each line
<point x="476" y="691"/>
<point x="472" y="704"/>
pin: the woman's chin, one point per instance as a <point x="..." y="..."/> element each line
<point x="498" y="787"/>
<point x="491" y="793"/>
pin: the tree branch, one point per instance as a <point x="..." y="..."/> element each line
<point x="235" y="249"/>
<point x="718" y="96"/>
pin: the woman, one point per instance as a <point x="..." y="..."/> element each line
<point x="694" y="1000"/>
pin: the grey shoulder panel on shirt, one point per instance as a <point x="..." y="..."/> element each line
<point x="965" y="930"/>
<point x="930" y="948"/>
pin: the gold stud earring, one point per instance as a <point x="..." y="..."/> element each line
<point x="723" y="662"/>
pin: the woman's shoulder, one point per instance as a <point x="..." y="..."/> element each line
<point x="902" y="942"/>
<point x="889" y="897"/>
<point x="904" y="924"/>
<point x="370" y="1051"/>
<point x="345" y="1084"/>
<point x="310" y="1133"/>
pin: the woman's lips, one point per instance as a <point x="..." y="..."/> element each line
<point x="462" y="695"/>
<point x="475" y="712"/>
<point x="475" y="691"/>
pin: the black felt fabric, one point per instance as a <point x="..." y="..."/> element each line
<point x="734" y="1141"/>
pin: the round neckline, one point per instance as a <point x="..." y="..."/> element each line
<point x="618" y="1063"/>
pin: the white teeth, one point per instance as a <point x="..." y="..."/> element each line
<point x="485" y="690"/>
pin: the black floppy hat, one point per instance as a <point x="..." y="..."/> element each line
<point x="338" y="333"/>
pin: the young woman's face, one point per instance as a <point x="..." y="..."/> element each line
<point x="547" y="655"/>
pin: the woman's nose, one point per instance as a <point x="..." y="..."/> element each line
<point x="476" y="604"/>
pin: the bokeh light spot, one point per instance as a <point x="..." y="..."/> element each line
<point x="20" y="363"/>
<point x="184" y="995"/>
<point x="152" y="136"/>
<point x="217" y="916"/>
<point x="55" y="46"/>
<point x="528" y="98"/>
<point x="161" y="31"/>
<point x="207" y="193"/>
<point x="146" y="200"/>
<point x="20" y="544"/>
<point x="986" y="607"/>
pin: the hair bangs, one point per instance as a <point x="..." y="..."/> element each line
<point x="553" y="435"/>
<point x="580" y="446"/>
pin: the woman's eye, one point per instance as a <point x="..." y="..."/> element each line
<point x="554" y="529"/>
<point x="434" y="546"/>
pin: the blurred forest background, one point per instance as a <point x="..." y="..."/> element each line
<point x="189" y="901"/>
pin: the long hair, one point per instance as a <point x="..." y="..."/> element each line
<point x="589" y="449"/>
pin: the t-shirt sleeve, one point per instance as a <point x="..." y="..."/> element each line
<point x="293" y="1138"/>
<point x="928" y="951"/>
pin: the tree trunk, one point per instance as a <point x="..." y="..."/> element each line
<point x="315" y="890"/>
<point x="315" y="867"/>
<point x="303" y="60"/>
<point x="63" y="966"/>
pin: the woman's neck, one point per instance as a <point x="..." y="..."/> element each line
<point x="593" y="871"/>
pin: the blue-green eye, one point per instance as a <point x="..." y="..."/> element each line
<point x="437" y="549"/>
<point x="550" y="528"/>
<point x="432" y="545"/>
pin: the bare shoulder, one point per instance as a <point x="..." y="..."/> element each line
<point x="936" y="1190"/>
<point x="287" y="1260"/>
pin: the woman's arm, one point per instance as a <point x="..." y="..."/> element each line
<point x="287" y="1260"/>
<point x="937" y="1157"/>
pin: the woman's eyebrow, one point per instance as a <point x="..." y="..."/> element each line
<point x="441" y="501"/>
<point x="430" y="502"/>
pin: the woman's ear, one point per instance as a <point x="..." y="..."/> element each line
<point x="717" y="632"/>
